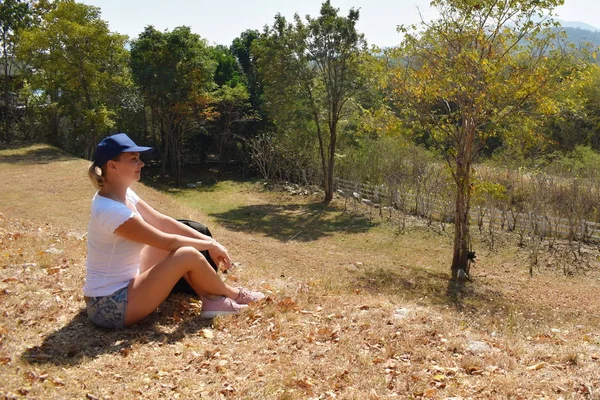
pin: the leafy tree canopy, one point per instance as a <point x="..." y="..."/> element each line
<point x="228" y="71"/>
<point x="311" y="70"/>
<point x="80" y="66"/>
<point x="484" y="68"/>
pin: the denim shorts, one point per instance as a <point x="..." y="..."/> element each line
<point x="108" y="311"/>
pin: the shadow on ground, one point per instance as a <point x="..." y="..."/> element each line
<point x="300" y="222"/>
<point x="201" y="176"/>
<point x="437" y="287"/>
<point x="34" y="155"/>
<point x="79" y="339"/>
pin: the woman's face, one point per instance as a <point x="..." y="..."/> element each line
<point x="127" y="167"/>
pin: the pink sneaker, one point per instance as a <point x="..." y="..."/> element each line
<point x="247" y="297"/>
<point x="221" y="306"/>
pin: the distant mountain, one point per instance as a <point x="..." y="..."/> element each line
<point x="579" y="36"/>
<point x="578" y="25"/>
<point x="580" y="33"/>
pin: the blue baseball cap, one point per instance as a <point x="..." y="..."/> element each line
<point x="114" y="145"/>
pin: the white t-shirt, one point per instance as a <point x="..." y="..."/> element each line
<point x="112" y="261"/>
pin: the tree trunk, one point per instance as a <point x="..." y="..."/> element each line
<point x="54" y="117"/>
<point x="315" y="114"/>
<point x="165" y="154"/>
<point x="7" y="105"/>
<point x="461" y="221"/>
<point x="464" y="159"/>
<point x="175" y="156"/>
<point x="328" y="178"/>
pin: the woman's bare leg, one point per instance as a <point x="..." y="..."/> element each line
<point x="150" y="256"/>
<point x="149" y="289"/>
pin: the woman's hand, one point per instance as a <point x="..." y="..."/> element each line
<point x="220" y="255"/>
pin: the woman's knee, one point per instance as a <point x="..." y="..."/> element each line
<point x="189" y="254"/>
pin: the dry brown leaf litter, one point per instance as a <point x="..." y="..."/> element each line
<point x="379" y="327"/>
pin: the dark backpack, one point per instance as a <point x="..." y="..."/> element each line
<point x="182" y="286"/>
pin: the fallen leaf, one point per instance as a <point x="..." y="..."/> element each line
<point x="53" y="270"/>
<point x="287" y="303"/>
<point x="207" y="334"/>
<point x="166" y="386"/>
<point x="304" y="383"/>
<point x="53" y="250"/>
<point x="325" y="331"/>
<point x="227" y="389"/>
<point x="267" y="287"/>
<point x="58" y="382"/>
<point x="373" y="395"/>
<point x="33" y="376"/>
<point x="222" y="366"/>
<point x="125" y="351"/>
<point x="491" y="368"/>
<point x="537" y="366"/>
<point x="473" y="370"/>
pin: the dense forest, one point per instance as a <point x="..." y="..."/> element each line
<point x="307" y="100"/>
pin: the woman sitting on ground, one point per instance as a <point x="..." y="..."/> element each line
<point x="136" y="255"/>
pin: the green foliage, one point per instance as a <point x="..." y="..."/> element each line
<point x="171" y="67"/>
<point x="480" y="69"/>
<point x="174" y="71"/>
<point x="482" y="77"/>
<point x="232" y="117"/>
<point x="80" y="67"/>
<point x="15" y="15"/>
<point x="241" y="47"/>
<point x="486" y="78"/>
<point x="582" y="162"/>
<point x="228" y="71"/>
<point x="577" y="123"/>
<point x="310" y="70"/>
<point x="231" y="111"/>
<point x="486" y="193"/>
<point x="372" y="159"/>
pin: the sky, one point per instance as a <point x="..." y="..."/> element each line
<point x="220" y="22"/>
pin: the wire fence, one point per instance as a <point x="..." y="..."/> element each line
<point x="436" y="206"/>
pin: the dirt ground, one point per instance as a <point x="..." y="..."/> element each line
<point x="354" y="309"/>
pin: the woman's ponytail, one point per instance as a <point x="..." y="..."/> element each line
<point x="96" y="176"/>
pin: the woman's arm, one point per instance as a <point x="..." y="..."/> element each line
<point x="167" y="224"/>
<point x="138" y="230"/>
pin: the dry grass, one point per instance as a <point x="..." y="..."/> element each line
<point x="354" y="310"/>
